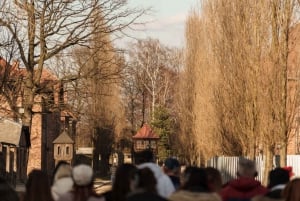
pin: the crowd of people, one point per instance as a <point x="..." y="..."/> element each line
<point x="147" y="181"/>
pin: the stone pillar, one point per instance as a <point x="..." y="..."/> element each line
<point x="7" y="159"/>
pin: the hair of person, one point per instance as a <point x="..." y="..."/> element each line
<point x="57" y="167"/>
<point x="38" y="187"/>
<point x="147" y="180"/>
<point x="171" y="165"/>
<point x="247" y="168"/>
<point x="291" y="191"/>
<point x="125" y="173"/>
<point x="214" y="179"/>
<point x="144" y="157"/>
<point x="7" y="193"/>
<point x="278" y="176"/>
<point x="195" y="179"/>
<point x="62" y="169"/>
<point x="82" y="193"/>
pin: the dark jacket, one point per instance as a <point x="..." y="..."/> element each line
<point x="242" y="189"/>
<point x="275" y="194"/>
<point x="176" y="181"/>
<point x="145" y="196"/>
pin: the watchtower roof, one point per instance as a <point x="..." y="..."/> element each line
<point x="145" y="133"/>
<point x="63" y="138"/>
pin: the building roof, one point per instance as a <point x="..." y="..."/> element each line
<point x="63" y="138"/>
<point x="10" y="131"/>
<point x="145" y="133"/>
<point x="17" y="71"/>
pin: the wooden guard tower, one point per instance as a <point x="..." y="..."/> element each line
<point x="63" y="148"/>
<point x="144" y="139"/>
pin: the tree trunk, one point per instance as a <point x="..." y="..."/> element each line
<point x="269" y="155"/>
<point x="104" y="165"/>
<point x="105" y="138"/>
<point x="203" y="160"/>
<point x="283" y="154"/>
<point x="252" y="149"/>
<point x="143" y="107"/>
<point x="153" y="104"/>
<point x="34" y="157"/>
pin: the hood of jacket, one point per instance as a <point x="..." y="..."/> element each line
<point x="154" y="168"/>
<point x="244" y="184"/>
<point x="61" y="186"/>
<point x="164" y="184"/>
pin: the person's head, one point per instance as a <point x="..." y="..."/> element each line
<point x="291" y="191"/>
<point x="83" y="175"/>
<point x="7" y="193"/>
<point x="214" y="179"/>
<point x="144" y="157"/>
<point x="62" y="169"/>
<point x="171" y="167"/>
<point x="146" y="180"/>
<point x="38" y="187"/>
<point x="125" y="181"/>
<point x="83" y="178"/>
<point x="195" y="179"/>
<point x="278" y="176"/>
<point x="290" y="170"/>
<point x="246" y="168"/>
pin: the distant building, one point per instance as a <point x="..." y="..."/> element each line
<point x="145" y="138"/>
<point x="50" y="116"/>
<point x="14" y="143"/>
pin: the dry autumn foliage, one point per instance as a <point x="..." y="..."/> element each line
<point x="238" y="98"/>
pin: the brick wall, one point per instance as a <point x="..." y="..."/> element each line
<point x="35" y="157"/>
<point x="45" y="128"/>
<point x="50" y="129"/>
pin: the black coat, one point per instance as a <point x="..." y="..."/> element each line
<point x="145" y="196"/>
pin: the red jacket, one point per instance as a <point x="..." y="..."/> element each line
<point x="243" y="188"/>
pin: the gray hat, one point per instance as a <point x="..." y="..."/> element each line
<point x="82" y="175"/>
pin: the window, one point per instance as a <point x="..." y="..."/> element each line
<point x="139" y="144"/>
<point x="58" y="150"/>
<point x="67" y="150"/>
<point x="153" y="144"/>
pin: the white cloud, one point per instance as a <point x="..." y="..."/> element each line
<point x="164" y="23"/>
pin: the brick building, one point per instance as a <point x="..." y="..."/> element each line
<point x="13" y="150"/>
<point x="50" y="116"/>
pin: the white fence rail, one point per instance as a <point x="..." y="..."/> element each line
<point x="228" y="165"/>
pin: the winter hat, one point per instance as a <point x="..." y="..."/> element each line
<point x="278" y="176"/>
<point x="82" y="175"/>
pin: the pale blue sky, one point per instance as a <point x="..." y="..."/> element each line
<point x="167" y="21"/>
